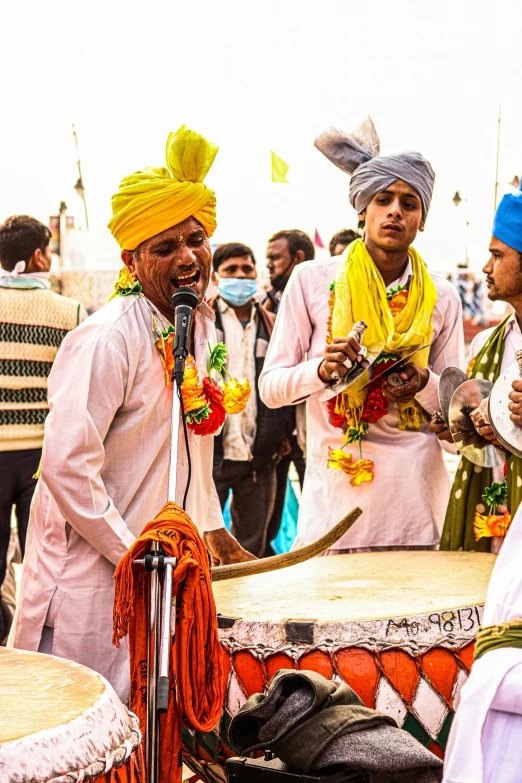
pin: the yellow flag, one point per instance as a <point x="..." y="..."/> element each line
<point x="279" y="169"/>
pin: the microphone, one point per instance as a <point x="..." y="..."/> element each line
<point x="184" y="302"/>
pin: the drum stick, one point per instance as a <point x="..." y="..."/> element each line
<point x="236" y="570"/>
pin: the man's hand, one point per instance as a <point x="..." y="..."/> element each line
<point x="284" y="448"/>
<point x="515" y="406"/>
<point x="339" y="350"/>
<point x="483" y="427"/>
<point x="416" y="377"/>
<point x="224" y="548"/>
<point x="441" y="430"/>
<point x="481" y="435"/>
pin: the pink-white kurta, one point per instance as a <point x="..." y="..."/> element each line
<point x="104" y="476"/>
<point x="485" y="742"/>
<point x="406" y="502"/>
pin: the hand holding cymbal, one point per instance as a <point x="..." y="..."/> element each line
<point x="413" y="378"/>
<point x="342" y="353"/>
<point x="515" y="406"/>
<point x="480" y="419"/>
<point x="471" y="443"/>
<point x="438" y="427"/>
<point x="505" y="407"/>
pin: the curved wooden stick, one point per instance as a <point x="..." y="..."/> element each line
<point x="235" y="570"/>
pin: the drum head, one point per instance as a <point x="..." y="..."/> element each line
<point x="450" y="380"/>
<point x="508" y="433"/>
<point x="353" y="588"/>
<point x="57" y="717"/>
<point x="478" y="450"/>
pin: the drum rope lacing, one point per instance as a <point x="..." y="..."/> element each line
<point x="261" y="652"/>
<point x="114" y="758"/>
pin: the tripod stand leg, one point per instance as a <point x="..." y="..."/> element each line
<point x="152" y="679"/>
<point x="165" y="643"/>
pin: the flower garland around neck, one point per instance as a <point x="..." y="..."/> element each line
<point x="375" y="406"/>
<point x="486" y="526"/>
<point x="206" y="402"/>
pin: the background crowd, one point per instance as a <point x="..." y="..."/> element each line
<point x="254" y="452"/>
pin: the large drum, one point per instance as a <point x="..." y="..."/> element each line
<point x="398" y="627"/>
<point x="63" y="723"/>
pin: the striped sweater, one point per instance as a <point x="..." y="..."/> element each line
<point x="33" y="323"/>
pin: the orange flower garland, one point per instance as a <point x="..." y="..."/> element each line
<point x="491" y="525"/>
<point x="206" y="402"/>
<point x="359" y="471"/>
<point x="375" y="406"/>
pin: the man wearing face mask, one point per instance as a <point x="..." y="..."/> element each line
<point x="33" y="323"/>
<point x="246" y="451"/>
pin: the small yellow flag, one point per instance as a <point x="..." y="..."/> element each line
<point x="279" y="169"/>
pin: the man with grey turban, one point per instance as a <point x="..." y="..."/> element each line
<point x="377" y="435"/>
<point x="358" y="156"/>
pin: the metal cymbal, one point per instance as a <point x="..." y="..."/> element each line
<point x="351" y="376"/>
<point x="465" y="399"/>
<point x="508" y="433"/>
<point x="450" y="380"/>
<point x="364" y="360"/>
<point x="397" y="366"/>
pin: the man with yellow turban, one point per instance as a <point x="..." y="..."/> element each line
<point x="105" y="464"/>
<point x="369" y="446"/>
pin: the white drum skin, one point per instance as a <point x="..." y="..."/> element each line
<point x="58" y="716"/>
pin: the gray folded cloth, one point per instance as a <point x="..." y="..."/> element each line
<point x="312" y="723"/>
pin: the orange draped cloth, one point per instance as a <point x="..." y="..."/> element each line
<point x="196" y="696"/>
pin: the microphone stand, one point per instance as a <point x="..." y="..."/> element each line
<point x="161" y="615"/>
<point x="162" y="610"/>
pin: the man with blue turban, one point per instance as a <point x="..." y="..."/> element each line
<point x="105" y="463"/>
<point x="484" y="743"/>
<point x="376" y="436"/>
<point x="468" y="525"/>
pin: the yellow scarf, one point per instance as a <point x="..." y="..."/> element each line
<point x="360" y="294"/>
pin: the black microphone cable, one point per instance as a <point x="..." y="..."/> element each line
<point x="185" y="434"/>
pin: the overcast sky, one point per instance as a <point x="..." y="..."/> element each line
<point x="256" y="77"/>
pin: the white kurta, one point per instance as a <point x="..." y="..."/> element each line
<point x="104" y="476"/>
<point x="406" y="502"/>
<point x="485" y="740"/>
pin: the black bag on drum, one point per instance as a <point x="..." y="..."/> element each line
<point x="243" y="770"/>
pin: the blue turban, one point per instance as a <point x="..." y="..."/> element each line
<point x="507" y="224"/>
<point x="357" y="154"/>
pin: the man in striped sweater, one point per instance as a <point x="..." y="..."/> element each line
<point x="33" y="323"/>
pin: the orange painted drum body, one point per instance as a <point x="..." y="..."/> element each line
<point x="398" y="627"/>
<point x="63" y="723"/>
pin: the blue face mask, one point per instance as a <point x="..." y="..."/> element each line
<point x="237" y="290"/>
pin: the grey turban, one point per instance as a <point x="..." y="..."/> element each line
<point x="357" y="154"/>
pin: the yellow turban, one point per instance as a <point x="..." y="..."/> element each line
<point x="150" y="201"/>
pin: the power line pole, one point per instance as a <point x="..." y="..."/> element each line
<point x="498" y="155"/>
<point x="79" y="187"/>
